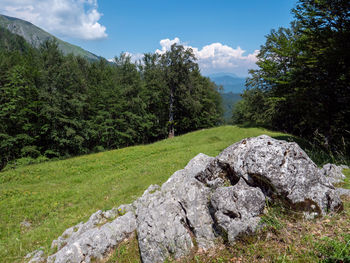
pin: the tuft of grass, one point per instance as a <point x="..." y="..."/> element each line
<point x="55" y="195"/>
<point x="334" y="249"/>
<point x="127" y="251"/>
<point x="346" y="183"/>
<point x="271" y="219"/>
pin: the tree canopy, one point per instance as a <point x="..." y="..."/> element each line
<point x="302" y="85"/>
<point x="53" y="105"/>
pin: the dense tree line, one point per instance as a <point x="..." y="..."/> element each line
<point x="302" y="85"/>
<point x="54" y="105"/>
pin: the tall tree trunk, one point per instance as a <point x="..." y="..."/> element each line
<point x="3" y="163"/>
<point x="171" y="115"/>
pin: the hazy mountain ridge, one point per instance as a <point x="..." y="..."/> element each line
<point x="229" y="82"/>
<point x="35" y="36"/>
<point x="232" y="86"/>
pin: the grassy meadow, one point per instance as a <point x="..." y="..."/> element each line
<point x="55" y="195"/>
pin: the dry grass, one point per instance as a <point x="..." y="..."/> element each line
<point x="127" y="252"/>
<point x="287" y="237"/>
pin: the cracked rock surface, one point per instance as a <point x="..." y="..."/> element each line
<point x="168" y="219"/>
<point x="237" y="209"/>
<point x="95" y="243"/>
<point x="283" y="171"/>
<point x="210" y="198"/>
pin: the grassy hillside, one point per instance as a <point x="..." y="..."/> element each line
<point x="55" y="195"/>
<point x="35" y="36"/>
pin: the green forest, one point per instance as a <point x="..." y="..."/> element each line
<point x="302" y="84"/>
<point x="54" y="106"/>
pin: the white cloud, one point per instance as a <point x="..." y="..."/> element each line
<point x="71" y="18"/>
<point x="216" y="57"/>
<point x="135" y="57"/>
<point x="166" y="44"/>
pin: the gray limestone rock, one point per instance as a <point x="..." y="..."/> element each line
<point x="96" y="242"/>
<point x="237" y="208"/>
<point x="161" y="228"/>
<point x="168" y="219"/>
<point x="73" y="233"/>
<point x="333" y="172"/>
<point x="283" y="171"/>
<point x="342" y="191"/>
<point x="25" y="224"/>
<point x="36" y="256"/>
<point x="194" y="198"/>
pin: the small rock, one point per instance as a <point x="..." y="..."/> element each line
<point x="36" y="256"/>
<point x="95" y="243"/>
<point x="310" y="215"/>
<point x="25" y="224"/>
<point x="333" y="173"/>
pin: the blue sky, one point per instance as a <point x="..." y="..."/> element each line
<point x="225" y="34"/>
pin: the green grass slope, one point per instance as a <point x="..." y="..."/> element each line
<point x="55" y="195"/>
<point x="35" y="36"/>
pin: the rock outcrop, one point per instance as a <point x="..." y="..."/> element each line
<point x="237" y="209"/>
<point x="333" y="172"/>
<point x="92" y="240"/>
<point x="210" y="198"/>
<point x="284" y="172"/>
<point x="169" y="218"/>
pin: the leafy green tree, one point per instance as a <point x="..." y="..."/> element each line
<point x="18" y="116"/>
<point x="156" y="95"/>
<point x="57" y="106"/>
<point x="302" y="84"/>
<point x="178" y="63"/>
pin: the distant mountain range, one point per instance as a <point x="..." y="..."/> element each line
<point x="229" y="82"/>
<point x="233" y="86"/>
<point x="35" y="36"/>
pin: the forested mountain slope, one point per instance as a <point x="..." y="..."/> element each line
<point x="54" y="106"/>
<point x="35" y="36"/>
